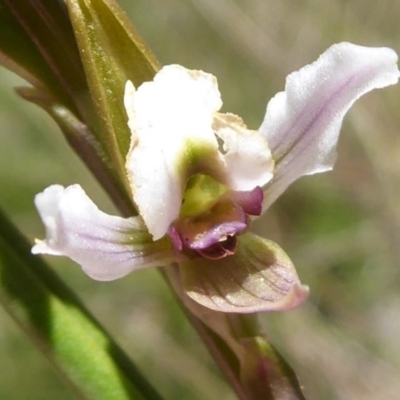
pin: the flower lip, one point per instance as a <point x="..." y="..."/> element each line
<point x="258" y="277"/>
<point x="212" y="233"/>
<point x="217" y="234"/>
<point x="225" y="219"/>
<point x="220" y="249"/>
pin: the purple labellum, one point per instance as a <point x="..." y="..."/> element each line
<point x="212" y="234"/>
<point x="221" y="249"/>
<point x="217" y="234"/>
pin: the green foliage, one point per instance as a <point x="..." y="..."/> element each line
<point x="112" y="53"/>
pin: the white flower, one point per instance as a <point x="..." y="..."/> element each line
<point x="197" y="176"/>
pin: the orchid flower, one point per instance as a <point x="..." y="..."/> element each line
<point x="199" y="177"/>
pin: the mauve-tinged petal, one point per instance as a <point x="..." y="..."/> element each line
<point x="302" y="124"/>
<point x="246" y="153"/>
<point x="258" y="277"/>
<point x="251" y="201"/>
<point x="107" y="247"/>
<point x="172" y="137"/>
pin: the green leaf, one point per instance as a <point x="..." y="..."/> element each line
<point x="18" y="53"/>
<point x="61" y="327"/>
<point x="112" y="53"/>
<point x="37" y="41"/>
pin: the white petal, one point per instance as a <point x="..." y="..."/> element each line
<point x="247" y="156"/>
<point x="172" y="138"/>
<point x="302" y="124"/>
<point x="107" y="247"/>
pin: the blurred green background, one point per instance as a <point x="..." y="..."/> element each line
<point x="341" y="229"/>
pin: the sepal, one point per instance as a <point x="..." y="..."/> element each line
<point x="302" y="123"/>
<point x="107" y="247"/>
